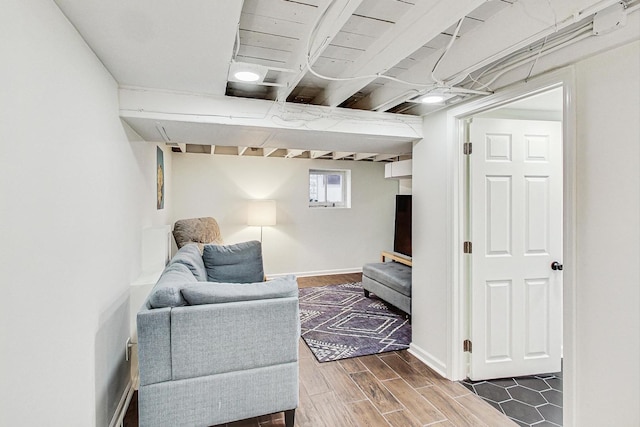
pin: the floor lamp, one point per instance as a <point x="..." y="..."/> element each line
<point x="262" y="213"/>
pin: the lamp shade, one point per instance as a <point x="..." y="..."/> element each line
<point x="262" y="212"/>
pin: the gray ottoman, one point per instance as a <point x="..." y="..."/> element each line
<point x="390" y="281"/>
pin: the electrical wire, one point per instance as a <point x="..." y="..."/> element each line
<point x="309" y="67"/>
<point x="235" y="54"/>
<point x="366" y="77"/>
<point x="526" y="79"/>
<point x="555" y="16"/>
<point x="523" y="56"/>
<point x="446" y="50"/>
<point x="557" y="25"/>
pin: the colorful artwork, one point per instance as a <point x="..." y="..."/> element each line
<point x="160" y="177"/>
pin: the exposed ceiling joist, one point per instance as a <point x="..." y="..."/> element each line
<point x="363" y="156"/>
<point x="383" y="157"/>
<point x="338" y="155"/>
<point x="179" y="145"/>
<point x="267" y="151"/>
<point x="315" y="154"/>
<point x="480" y="47"/>
<point x="293" y="153"/>
<point x="425" y="21"/>
<point x="337" y="14"/>
<point x="349" y="38"/>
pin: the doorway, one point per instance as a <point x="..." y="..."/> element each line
<point x="461" y="315"/>
<point x="513" y="191"/>
<point x="514" y="220"/>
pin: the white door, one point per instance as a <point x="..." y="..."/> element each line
<point x="516" y="233"/>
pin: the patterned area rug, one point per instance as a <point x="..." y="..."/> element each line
<point x="338" y="322"/>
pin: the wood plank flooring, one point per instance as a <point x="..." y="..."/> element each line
<point x="389" y="389"/>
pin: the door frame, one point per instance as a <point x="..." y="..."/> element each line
<point x="458" y="271"/>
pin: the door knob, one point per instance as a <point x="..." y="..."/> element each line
<point x="555" y="265"/>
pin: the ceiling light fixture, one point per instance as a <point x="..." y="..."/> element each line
<point x="432" y="99"/>
<point x="244" y="72"/>
<point x="247" y="76"/>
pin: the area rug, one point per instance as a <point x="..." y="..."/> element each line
<point x="338" y="322"/>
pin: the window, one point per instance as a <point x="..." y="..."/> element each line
<point x="329" y="188"/>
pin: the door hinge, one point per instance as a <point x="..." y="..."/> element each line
<point x="467" y="148"/>
<point x="466" y="345"/>
<point x="467" y="248"/>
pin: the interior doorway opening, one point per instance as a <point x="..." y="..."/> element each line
<point x="513" y="218"/>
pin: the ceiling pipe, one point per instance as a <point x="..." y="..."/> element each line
<point x="532" y="56"/>
<point x="557" y="26"/>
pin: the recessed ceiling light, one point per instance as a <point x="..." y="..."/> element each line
<point x="245" y="72"/>
<point x="247" y="76"/>
<point x="432" y="99"/>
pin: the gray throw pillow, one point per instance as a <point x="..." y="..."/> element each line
<point x="166" y="293"/>
<point x="239" y="263"/>
<point x="217" y="293"/>
<point x="190" y="256"/>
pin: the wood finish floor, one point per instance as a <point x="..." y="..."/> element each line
<point x="390" y="389"/>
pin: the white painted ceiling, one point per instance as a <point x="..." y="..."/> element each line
<point x="372" y="55"/>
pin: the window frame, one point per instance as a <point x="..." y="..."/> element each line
<point x="345" y="188"/>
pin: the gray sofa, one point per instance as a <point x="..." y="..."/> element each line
<point x="211" y="353"/>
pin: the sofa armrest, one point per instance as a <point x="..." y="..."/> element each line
<point x="154" y="345"/>
<point x="217" y="338"/>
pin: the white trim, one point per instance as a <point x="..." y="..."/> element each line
<point x="569" y="250"/>
<point x="428" y="359"/>
<point x="455" y="229"/>
<point x="456" y="268"/>
<point x="318" y="272"/>
<point x="118" y="416"/>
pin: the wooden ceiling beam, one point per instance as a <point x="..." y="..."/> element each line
<point x="155" y="105"/>
<point x="335" y="17"/>
<point x="180" y="145"/>
<point x="316" y="154"/>
<point x="382" y="157"/>
<point x="363" y="156"/>
<point x="338" y="155"/>
<point x="426" y="20"/>
<point x="293" y="153"/>
<point x="267" y="151"/>
<point x="479" y="48"/>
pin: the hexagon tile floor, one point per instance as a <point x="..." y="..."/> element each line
<point x="529" y="401"/>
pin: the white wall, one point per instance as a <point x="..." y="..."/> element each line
<point x="74" y="197"/>
<point x="430" y="242"/>
<point x="405" y="186"/>
<point x="305" y="240"/>
<point x="608" y="238"/>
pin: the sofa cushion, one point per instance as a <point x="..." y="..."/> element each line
<point x="166" y="293"/>
<point x="239" y="263"/>
<point x="391" y="274"/>
<point x="190" y="256"/>
<point x="216" y="293"/>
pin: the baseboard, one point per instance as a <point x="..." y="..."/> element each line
<point x="429" y="360"/>
<point x="118" y="416"/>
<point x="318" y="273"/>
